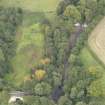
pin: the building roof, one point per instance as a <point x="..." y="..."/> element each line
<point x="14" y="99"/>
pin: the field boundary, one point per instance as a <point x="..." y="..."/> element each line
<point x="89" y="47"/>
<point x="95" y="56"/>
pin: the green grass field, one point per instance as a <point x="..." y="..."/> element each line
<point x="32" y="5"/>
<point x="89" y="61"/>
<point x="29" y="50"/>
<point x="28" y="53"/>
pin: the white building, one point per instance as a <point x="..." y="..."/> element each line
<point x="85" y="25"/>
<point x="77" y="24"/>
<point x="14" y="99"/>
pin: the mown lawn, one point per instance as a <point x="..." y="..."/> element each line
<point x="32" y="5"/>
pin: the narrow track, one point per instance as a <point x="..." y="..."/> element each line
<point x="23" y="93"/>
<point x="58" y="91"/>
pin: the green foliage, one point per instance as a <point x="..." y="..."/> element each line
<point x="74" y="92"/>
<point x="81" y="84"/>
<point x="55" y="43"/>
<point x="42" y="89"/>
<point x="101" y="5"/>
<point x="64" y="100"/>
<point x="61" y="7"/>
<point x="96" y="89"/>
<point x="46" y="101"/>
<point x="81" y="103"/>
<point x="56" y="79"/>
<point x="92" y="4"/>
<point x="74" y="1"/>
<point x="97" y="101"/>
<point x="71" y="12"/>
<point x="10" y="19"/>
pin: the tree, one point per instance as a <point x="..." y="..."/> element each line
<point x="96" y="89"/>
<point x="61" y="7"/>
<point x="69" y="26"/>
<point x="72" y="58"/>
<point x="95" y="72"/>
<point x="88" y="15"/>
<point x="39" y="74"/>
<point x="73" y="93"/>
<point x="92" y="6"/>
<point x="42" y="88"/>
<point x="49" y="43"/>
<point x="10" y="19"/>
<point x="81" y="103"/>
<point x="56" y="78"/>
<point x="74" y="2"/>
<point x="87" y="9"/>
<point x="64" y="100"/>
<point x="60" y="42"/>
<point x="82" y="6"/>
<point x="71" y="12"/>
<point x="101" y="5"/>
<point x="1" y="84"/>
<point x="46" y="101"/>
<point x="39" y="89"/>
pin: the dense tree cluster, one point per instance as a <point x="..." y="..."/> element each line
<point x="88" y="9"/>
<point x="10" y="19"/>
<point x="77" y="86"/>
